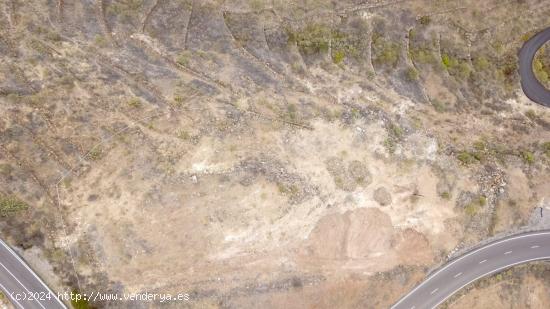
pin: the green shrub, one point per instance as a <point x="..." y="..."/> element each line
<point x="312" y="39"/>
<point x="482" y="200"/>
<point x="463" y="70"/>
<point x="542" y="72"/>
<point x="527" y="156"/>
<point x="423" y="55"/>
<point x="184" y="135"/>
<point x="456" y="67"/>
<point x="5" y="169"/>
<point x="95" y="154"/>
<point x="481" y="63"/>
<point x="386" y="52"/>
<point x="292" y="112"/>
<point x="526" y="36"/>
<point x="183" y="59"/>
<point x="78" y="301"/>
<point x="425" y="20"/>
<point x="531" y="114"/>
<point x="466" y="158"/>
<point x="480" y="146"/>
<point x="480" y="150"/>
<point x="439" y="106"/>
<point x="338" y="56"/>
<point x="100" y="41"/>
<point x="396" y="131"/>
<point x="471" y="209"/>
<point x="546" y="149"/>
<point x="178" y="99"/>
<point x="411" y="74"/>
<point x="390" y="145"/>
<point x="10" y="204"/>
<point x="134" y="102"/>
<point x="257" y="5"/>
<point x="127" y="10"/>
<point x="448" y="61"/>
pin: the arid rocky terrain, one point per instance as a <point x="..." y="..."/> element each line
<point x="270" y="154"/>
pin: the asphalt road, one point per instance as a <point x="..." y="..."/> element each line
<point x="532" y="88"/>
<point x="488" y="259"/>
<point x="21" y="285"/>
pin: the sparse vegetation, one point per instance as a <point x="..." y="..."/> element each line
<point x="423" y="56"/>
<point x="316" y="38"/>
<point x="126" y="10"/>
<point x="386" y="52"/>
<point x="79" y="301"/>
<point x="438" y="106"/>
<point x="456" y="67"/>
<point x="395" y="134"/>
<point x="134" y="102"/>
<point x="466" y="157"/>
<point x="338" y="56"/>
<point x="100" y="41"/>
<point x="183" y="58"/>
<point x="390" y="145"/>
<point x="95" y="154"/>
<point x="482" y="201"/>
<point x="178" y="100"/>
<point x="546" y="149"/>
<point x="10" y="204"/>
<point x="531" y="114"/>
<point x="481" y="63"/>
<point x="527" y="156"/>
<point x="411" y="74"/>
<point x="5" y="169"/>
<point x="312" y="39"/>
<point x="184" y="135"/>
<point x="288" y="189"/>
<point x="396" y="131"/>
<point x="292" y="112"/>
<point x="472" y="208"/>
<point x="541" y="66"/>
<point x="256" y="123"/>
<point x="425" y="20"/>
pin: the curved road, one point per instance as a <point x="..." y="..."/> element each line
<point x="488" y="259"/>
<point x="18" y="282"/>
<point x="500" y="254"/>
<point x="529" y="83"/>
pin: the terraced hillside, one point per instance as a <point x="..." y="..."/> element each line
<point x="268" y="153"/>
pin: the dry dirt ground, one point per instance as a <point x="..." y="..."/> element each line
<point x="300" y="154"/>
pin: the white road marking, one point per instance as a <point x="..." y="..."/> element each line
<point x="492" y="272"/>
<point x="413" y="307"/>
<point x="32" y="272"/>
<point x="10" y="296"/>
<point x="449" y="264"/>
<point x="507" y="252"/>
<point x="534" y="247"/>
<point x="434" y="291"/>
<point x="14" y="277"/>
<point x="458" y="275"/>
<point x="482" y="261"/>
